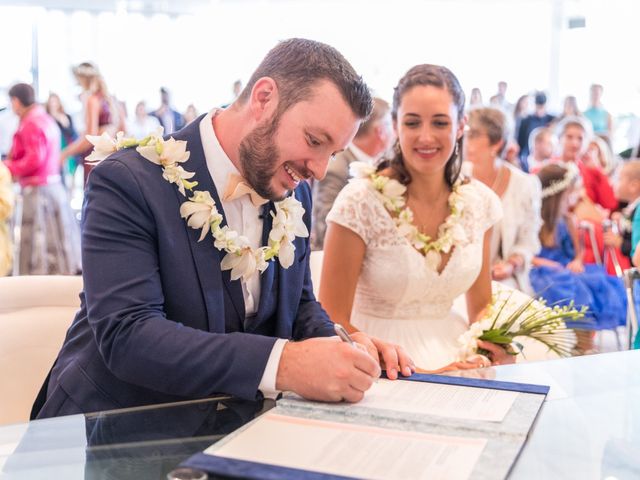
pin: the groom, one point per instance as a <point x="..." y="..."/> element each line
<point x="160" y="321"/>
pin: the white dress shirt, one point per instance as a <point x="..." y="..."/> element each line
<point x="243" y="217"/>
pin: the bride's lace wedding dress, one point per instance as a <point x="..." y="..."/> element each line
<point x="398" y="297"/>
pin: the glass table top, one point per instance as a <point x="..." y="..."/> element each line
<point x="588" y="428"/>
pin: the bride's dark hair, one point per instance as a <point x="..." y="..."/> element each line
<point x="424" y="75"/>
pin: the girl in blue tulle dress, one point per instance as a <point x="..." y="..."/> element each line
<point x="559" y="274"/>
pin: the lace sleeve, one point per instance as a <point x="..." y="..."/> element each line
<point x="355" y="208"/>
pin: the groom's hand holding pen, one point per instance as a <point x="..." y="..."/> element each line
<point x="392" y="358"/>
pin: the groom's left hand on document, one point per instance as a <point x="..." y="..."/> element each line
<point x="392" y="357"/>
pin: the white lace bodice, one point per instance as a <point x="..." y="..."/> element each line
<point x="395" y="283"/>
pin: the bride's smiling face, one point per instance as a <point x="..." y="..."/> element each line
<point x="428" y="127"/>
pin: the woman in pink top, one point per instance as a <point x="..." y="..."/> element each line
<point x="49" y="234"/>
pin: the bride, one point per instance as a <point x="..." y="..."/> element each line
<point x="407" y="238"/>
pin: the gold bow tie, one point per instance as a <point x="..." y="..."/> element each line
<point x="237" y="187"/>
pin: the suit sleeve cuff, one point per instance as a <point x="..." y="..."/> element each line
<point x="268" y="382"/>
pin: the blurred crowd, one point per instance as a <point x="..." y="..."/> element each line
<point x="570" y="225"/>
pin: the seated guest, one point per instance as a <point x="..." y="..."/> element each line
<point x="374" y="137"/>
<point x="627" y="190"/>
<point x="597" y="199"/>
<point x="559" y="274"/>
<point x="574" y="134"/>
<point x="165" y="317"/>
<point x="599" y="155"/>
<point x="409" y="236"/>
<point x="541" y="147"/>
<point x="514" y="239"/>
<point x="49" y="234"/>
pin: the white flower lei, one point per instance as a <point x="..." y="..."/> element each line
<point x="200" y="209"/>
<point x="391" y="193"/>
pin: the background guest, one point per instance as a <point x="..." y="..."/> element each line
<point x="475" y="99"/>
<point x="627" y="190"/>
<point x="599" y="155"/>
<point x="499" y="100"/>
<point x="101" y="113"/>
<point x="570" y="108"/>
<point x="560" y="274"/>
<point x="541" y="142"/>
<point x="142" y="124"/>
<point x="540" y="118"/>
<point x="190" y="114"/>
<point x="170" y="119"/>
<point x="68" y="135"/>
<point x="6" y="209"/>
<point x="49" y="234"/>
<point x="520" y="111"/>
<point x="600" y="118"/>
<point x="373" y="138"/>
<point x="514" y="239"/>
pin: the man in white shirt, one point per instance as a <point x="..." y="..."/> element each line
<point x="162" y="317"/>
<point x="373" y="139"/>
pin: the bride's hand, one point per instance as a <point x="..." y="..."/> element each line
<point x="392" y="357"/>
<point x="497" y="354"/>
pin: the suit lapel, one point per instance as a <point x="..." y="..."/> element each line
<point x="265" y="306"/>
<point x="207" y="258"/>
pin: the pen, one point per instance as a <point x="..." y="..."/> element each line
<point x="343" y="334"/>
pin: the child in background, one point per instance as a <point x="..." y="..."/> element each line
<point x="627" y="190"/>
<point x="559" y="274"/>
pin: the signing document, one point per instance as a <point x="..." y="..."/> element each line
<point x="357" y="451"/>
<point x="429" y="426"/>
<point x="441" y="400"/>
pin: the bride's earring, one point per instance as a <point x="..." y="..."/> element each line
<point x="455" y="151"/>
<point x="396" y="148"/>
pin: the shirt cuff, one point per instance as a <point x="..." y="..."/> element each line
<point x="268" y="381"/>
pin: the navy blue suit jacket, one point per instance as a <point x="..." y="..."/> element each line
<point x="159" y="321"/>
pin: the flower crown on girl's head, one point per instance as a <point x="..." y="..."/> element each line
<point x="565" y="182"/>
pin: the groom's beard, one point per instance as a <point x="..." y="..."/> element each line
<point x="259" y="158"/>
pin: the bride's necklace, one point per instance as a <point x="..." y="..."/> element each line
<point x="391" y="193"/>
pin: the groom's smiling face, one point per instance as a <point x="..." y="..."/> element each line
<point x="297" y="144"/>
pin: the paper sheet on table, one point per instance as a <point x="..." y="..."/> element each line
<point x="330" y="447"/>
<point x="438" y="399"/>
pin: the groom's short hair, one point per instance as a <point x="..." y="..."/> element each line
<point x="297" y="64"/>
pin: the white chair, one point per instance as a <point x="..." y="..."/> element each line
<point x="315" y="264"/>
<point x="35" y="313"/>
